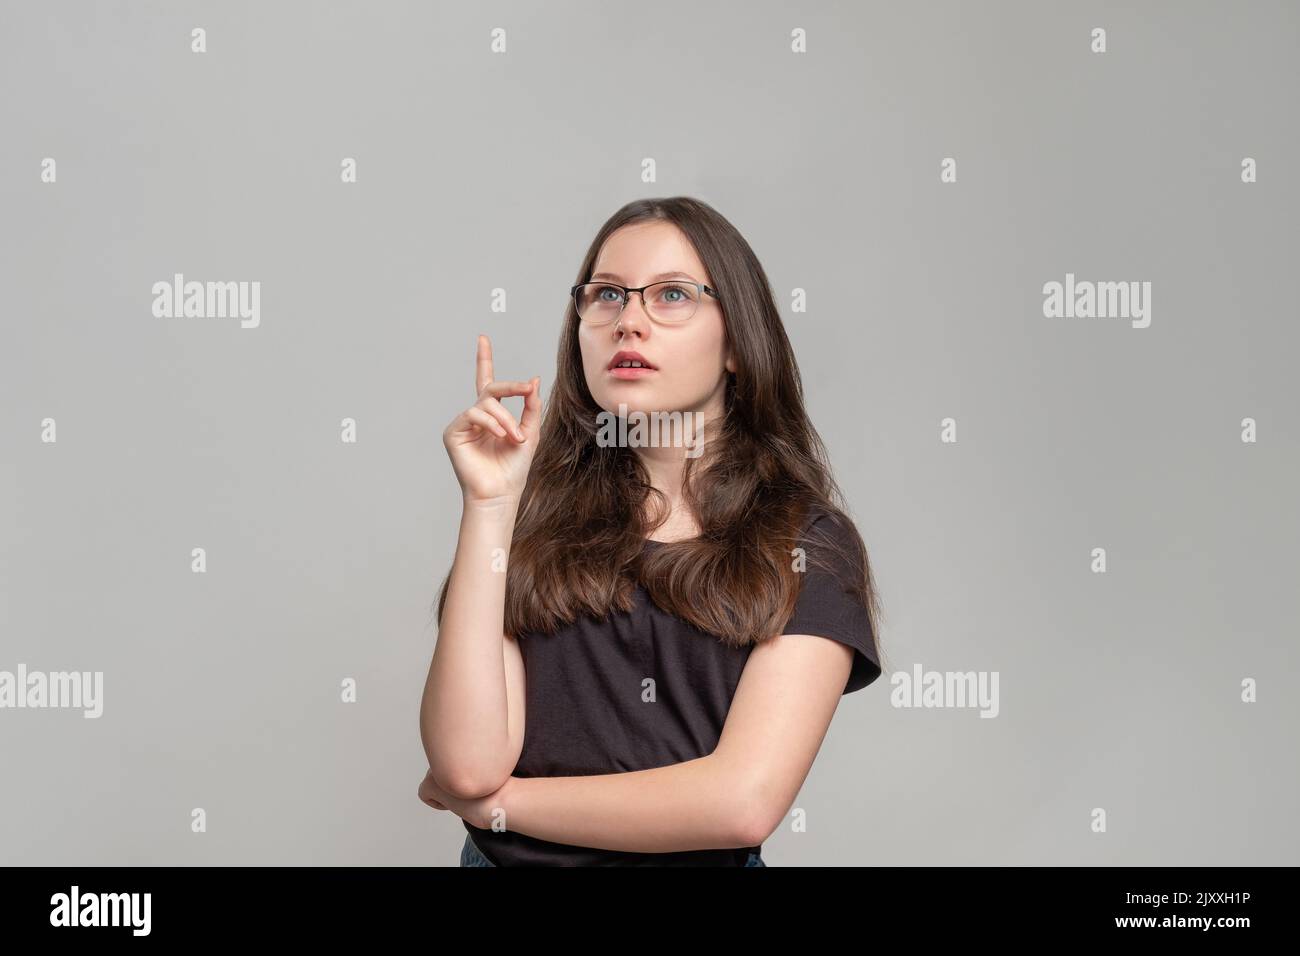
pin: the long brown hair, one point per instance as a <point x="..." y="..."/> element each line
<point x="586" y="510"/>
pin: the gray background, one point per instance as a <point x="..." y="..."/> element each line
<point x="477" y="171"/>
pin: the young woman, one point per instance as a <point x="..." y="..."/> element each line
<point x="642" y="642"/>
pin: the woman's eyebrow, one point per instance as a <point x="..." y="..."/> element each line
<point x="662" y="275"/>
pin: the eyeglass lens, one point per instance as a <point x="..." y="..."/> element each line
<point x="669" y="302"/>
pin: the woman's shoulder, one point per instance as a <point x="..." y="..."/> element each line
<point x="826" y="524"/>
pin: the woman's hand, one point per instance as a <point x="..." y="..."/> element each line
<point x="490" y="452"/>
<point x="477" y="812"/>
<point x="430" y="792"/>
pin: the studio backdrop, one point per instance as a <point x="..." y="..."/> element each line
<point x="1033" y="259"/>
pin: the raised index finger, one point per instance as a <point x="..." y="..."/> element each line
<point x="483" y="365"/>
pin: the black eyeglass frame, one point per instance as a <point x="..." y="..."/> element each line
<point x="627" y="293"/>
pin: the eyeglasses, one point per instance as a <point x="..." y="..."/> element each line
<point x="668" y="303"/>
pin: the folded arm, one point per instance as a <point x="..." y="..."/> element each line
<point x="734" y="797"/>
<point x="472" y="711"/>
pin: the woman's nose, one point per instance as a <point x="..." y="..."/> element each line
<point x="634" y="318"/>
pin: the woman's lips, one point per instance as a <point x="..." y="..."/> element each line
<point x="631" y="373"/>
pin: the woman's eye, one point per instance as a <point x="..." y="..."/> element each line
<point x="613" y="292"/>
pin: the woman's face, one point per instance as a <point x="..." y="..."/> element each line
<point x="688" y="362"/>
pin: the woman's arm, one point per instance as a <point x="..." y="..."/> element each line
<point x="734" y="797"/>
<point x="472" y="712"/>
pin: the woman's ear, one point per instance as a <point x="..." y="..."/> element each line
<point x="730" y="363"/>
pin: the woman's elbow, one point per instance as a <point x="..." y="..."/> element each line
<point x="756" y="812"/>
<point x="755" y="824"/>
<point x="464" y="773"/>
<point x="470" y="783"/>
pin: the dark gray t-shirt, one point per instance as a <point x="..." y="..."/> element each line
<point x="585" y="712"/>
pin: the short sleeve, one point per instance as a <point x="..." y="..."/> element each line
<point x="827" y="606"/>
